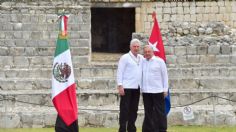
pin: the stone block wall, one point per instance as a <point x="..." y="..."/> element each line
<point x="191" y="12"/>
<point x="196" y="43"/>
<point x="29" y="32"/>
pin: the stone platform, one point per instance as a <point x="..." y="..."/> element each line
<point x="29" y="103"/>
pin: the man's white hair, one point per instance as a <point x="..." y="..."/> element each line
<point x="134" y="41"/>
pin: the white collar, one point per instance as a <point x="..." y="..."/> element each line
<point x="133" y="55"/>
<point x="134" y="58"/>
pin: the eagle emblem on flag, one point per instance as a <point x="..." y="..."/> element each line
<point x="61" y="72"/>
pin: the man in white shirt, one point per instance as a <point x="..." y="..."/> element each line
<point x="128" y="80"/>
<point x="154" y="89"/>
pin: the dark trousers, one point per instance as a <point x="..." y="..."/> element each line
<point x="128" y="110"/>
<point x="155" y="119"/>
<point x="62" y="127"/>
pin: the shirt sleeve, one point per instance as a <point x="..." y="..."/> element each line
<point x="164" y="76"/>
<point x="120" y="70"/>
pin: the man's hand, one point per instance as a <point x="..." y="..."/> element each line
<point x="121" y="90"/>
<point x="165" y="94"/>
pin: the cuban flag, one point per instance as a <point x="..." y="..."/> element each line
<point x="156" y="42"/>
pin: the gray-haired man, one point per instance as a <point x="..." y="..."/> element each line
<point x="128" y="81"/>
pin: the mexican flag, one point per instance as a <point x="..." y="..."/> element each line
<point x="63" y="81"/>
<point x="155" y="40"/>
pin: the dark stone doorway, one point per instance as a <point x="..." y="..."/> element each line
<point x="112" y="29"/>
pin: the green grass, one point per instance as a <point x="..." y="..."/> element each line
<point x="171" y="129"/>
<point x="201" y="129"/>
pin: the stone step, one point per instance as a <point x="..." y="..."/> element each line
<point x="45" y="42"/>
<point x="101" y="83"/>
<point x="111" y="70"/>
<point x="47" y="72"/>
<point x="104" y="109"/>
<point x="173" y="72"/>
<point x="34" y="47"/>
<point x="100" y="98"/>
<point x="106" y="57"/>
<point x="188" y="59"/>
<point x="174" y="82"/>
<point x="202" y="72"/>
<point x="185" y="65"/>
<point x="180" y="57"/>
<point x="108" y="116"/>
<point x="37" y="61"/>
<point x="39" y="51"/>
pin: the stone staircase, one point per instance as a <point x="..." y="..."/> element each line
<point x="29" y="105"/>
<point x="198" y="67"/>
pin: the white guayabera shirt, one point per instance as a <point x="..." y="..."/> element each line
<point x="155" y="77"/>
<point x="129" y="72"/>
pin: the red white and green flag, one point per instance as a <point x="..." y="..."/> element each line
<point x="63" y="81"/>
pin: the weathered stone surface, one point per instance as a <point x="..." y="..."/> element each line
<point x="6" y="61"/>
<point x="100" y="84"/>
<point x="180" y="50"/>
<point x="169" y="50"/>
<point x="182" y="60"/>
<point x="214" y="49"/>
<point x="77" y="60"/>
<point x="191" y="50"/>
<point x="85" y="72"/>
<point x="21" y="61"/>
<point x="41" y="84"/>
<point x="184" y="84"/>
<point x="223" y="59"/>
<point x="112" y="120"/>
<point x="193" y="58"/>
<point x="16" y="51"/>
<point x="50" y="119"/>
<point x="27" y="119"/>
<point x="10" y="120"/>
<point x="202" y="50"/>
<point x="96" y="119"/>
<point x="2" y="35"/>
<point x="4" y="51"/>
<point x="171" y="59"/>
<point x="209" y="31"/>
<point x="233" y="59"/>
<point x="208" y="59"/>
<point x="233" y="50"/>
<point x="225" y="49"/>
<point x="105" y="119"/>
<point x="217" y="83"/>
<point x="109" y="72"/>
<point x="79" y="51"/>
<point x="7" y="85"/>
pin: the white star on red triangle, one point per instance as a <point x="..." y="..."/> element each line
<point x="154" y="46"/>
